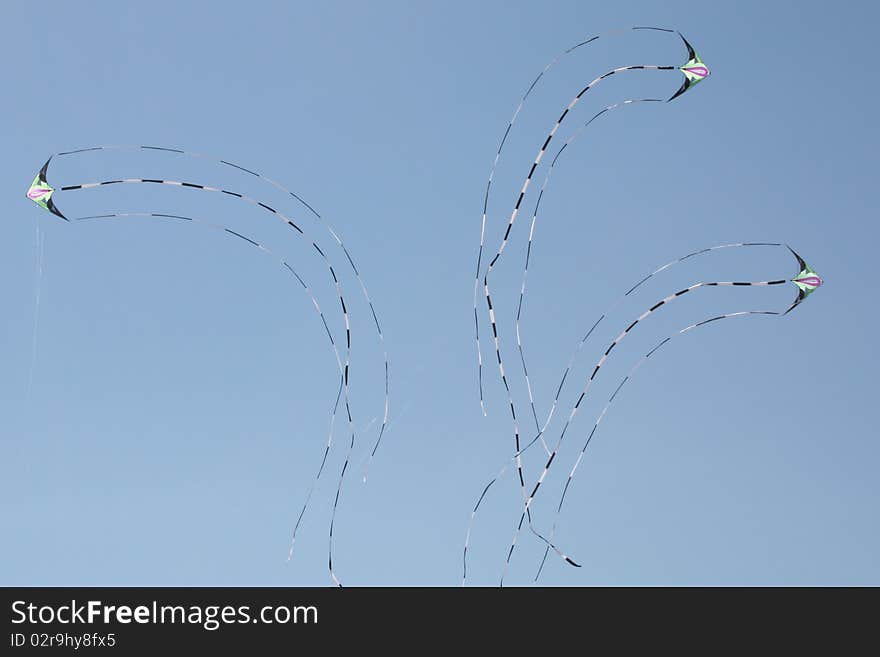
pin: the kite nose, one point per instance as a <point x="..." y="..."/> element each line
<point x="36" y="193"/>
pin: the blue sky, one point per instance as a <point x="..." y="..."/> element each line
<point x="180" y="383"/>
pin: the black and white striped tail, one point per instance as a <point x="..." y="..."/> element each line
<point x="629" y="376"/>
<point x="603" y="360"/>
<point x="287" y="220"/>
<point x="318" y="217"/>
<point x="494" y="167"/>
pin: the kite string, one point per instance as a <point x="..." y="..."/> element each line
<point x="38" y="287"/>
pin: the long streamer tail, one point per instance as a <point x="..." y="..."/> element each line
<point x="629" y="376"/>
<point x="488" y="191"/>
<point x="342" y="366"/>
<point x="316" y="215"/>
<point x="599" y="366"/>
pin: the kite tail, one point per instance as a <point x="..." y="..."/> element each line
<point x="525" y="273"/>
<point x="552" y="63"/>
<point x="336" y="500"/>
<point x="599" y="366"/>
<point x="315" y="214"/>
<point x="620" y="299"/>
<point x="479" y="502"/>
<point x="611" y="399"/>
<point x="467" y="538"/>
<point x="319" y="472"/>
<point x="510" y="223"/>
<point x="343" y="367"/>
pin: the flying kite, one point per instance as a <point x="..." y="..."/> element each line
<point x="284" y="190"/>
<point x="500" y="250"/>
<point x="807" y="282"/>
<point x="813" y="280"/>
<point x="41" y="192"/>
<point x="694" y="71"/>
<point x="805" y="276"/>
<point x="497" y="159"/>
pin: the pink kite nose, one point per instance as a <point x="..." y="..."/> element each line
<point x="700" y="71"/>
<point x="37" y="193"/>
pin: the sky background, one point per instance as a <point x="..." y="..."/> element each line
<point x="164" y="411"/>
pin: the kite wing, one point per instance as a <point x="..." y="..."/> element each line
<point x="807" y="281"/>
<point x="800" y="297"/>
<point x="801" y="263"/>
<point x="694" y="70"/>
<point x="40" y="192"/>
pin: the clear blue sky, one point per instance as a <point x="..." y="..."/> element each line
<point x="181" y="386"/>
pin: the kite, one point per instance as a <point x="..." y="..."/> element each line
<point x="803" y="274"/>
<point x="559" y="388"/>
<point x="41" y="193"/>
<point x="807" y="281"/>
<point x="500" y="148"/>
<point x="694" y="70"/>
<point x="311" y="210"/>
<point x="492" y="263"/>
<point x="812" y="280"/>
